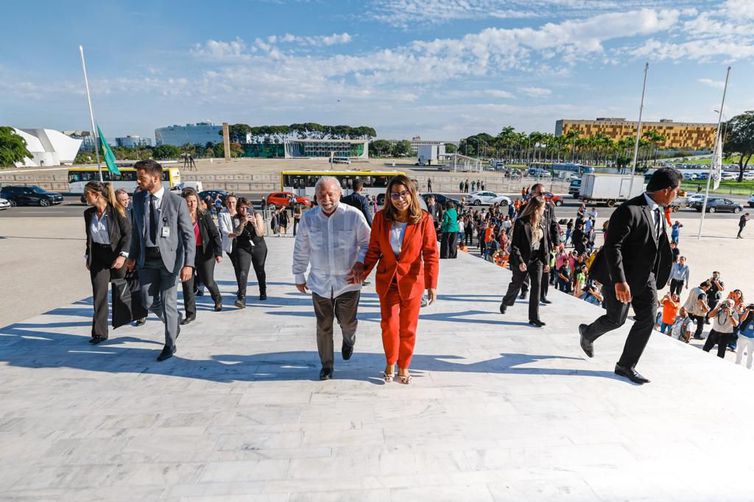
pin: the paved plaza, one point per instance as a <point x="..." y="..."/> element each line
<point x="497" y="410"/>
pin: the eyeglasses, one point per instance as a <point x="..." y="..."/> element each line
<point x="405" y="194"/>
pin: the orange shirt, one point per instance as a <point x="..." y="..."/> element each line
<point x="669" y="311"/>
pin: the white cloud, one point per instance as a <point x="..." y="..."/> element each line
<point x="716" y="84"/>
<point x="319" y="40"/>
<point x="536" y="92"/>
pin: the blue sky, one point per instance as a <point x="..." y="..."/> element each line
<point x="438" y="69"/>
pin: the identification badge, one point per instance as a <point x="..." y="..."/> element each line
<point x="165" y="232"/>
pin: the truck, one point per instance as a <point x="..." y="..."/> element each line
<point x="430" y="154"/>
<point x="609" y="188"/>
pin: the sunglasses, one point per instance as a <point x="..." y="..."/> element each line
<point x="405" y="194"/>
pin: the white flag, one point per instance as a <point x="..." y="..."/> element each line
<point x="717" y="164"/>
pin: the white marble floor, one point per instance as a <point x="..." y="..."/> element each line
<point x="497" y="410"/>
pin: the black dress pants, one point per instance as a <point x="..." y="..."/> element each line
<point x="721" y="339"/>
<point x="246" y="258"/>
<point x="676" y="286"/>
<point x="700" y="319"/>
<point x="100" y="273"/>
<point x="644" y="302"/>
<point x="449" y="245"/>
<point x="534" y="273"/>
<point x="204" y="268"/>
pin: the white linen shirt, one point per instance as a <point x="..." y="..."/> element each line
<point x="329" y="247"/>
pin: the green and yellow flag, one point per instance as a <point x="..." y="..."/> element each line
<point x="107" y="153"/>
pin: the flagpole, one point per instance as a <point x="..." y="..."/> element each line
<point x="638" y="132"/>
<point x="91" y="112"/>
<point x="714" y="155"/>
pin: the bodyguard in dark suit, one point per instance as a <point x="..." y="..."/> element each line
<point x="108" y="238"/>
<point x="634" y="262"/>
<point x="529" y="257"/>
<point x="357" y="200"/>
<point x="162" y="247"/>
<point x="208" y="252"/>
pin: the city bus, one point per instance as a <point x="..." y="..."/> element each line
<point x="561" y="170"/>
<point x="302" y="182"/>
<point x="78" y="177"/>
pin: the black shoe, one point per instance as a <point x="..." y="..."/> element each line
<point x="325" y="374"/>
<point x="199" y="292"/>
<point x="188" y="319"/>
<point x="218" y="305"/>
<point x="97" y="339"/>
<point x="586" y="345"/>
<point x="347" y="351"/>
<point x="536" y="323"/>
<point x="546" y="301"/>
<point x="522" y="295"/>
<point x="631" y="374"/>
<point x="240" y="303"/>
<point x="503" y="308"/>
<point x="262" y="296"/>
<point x="166" y="353"/>
<point x="140" y="322"/>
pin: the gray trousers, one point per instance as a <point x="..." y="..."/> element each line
<point x="343" y="308"/>
<point x="159" y="290"/>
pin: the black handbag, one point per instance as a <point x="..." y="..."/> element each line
<point x="127" y="305"/>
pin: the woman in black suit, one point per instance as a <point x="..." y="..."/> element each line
<point x="529" y="255"/>
<point x="108" y="238"/>
<point x="208" y="252"/>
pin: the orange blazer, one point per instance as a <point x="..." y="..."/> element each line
<point x="417" y="266"/>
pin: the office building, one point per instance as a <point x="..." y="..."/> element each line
<point x="678" y="135"/>
<point x="200" y="133"/>
<point x="133" y="142"/>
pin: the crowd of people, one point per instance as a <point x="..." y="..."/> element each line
<point x="147" y="247"/>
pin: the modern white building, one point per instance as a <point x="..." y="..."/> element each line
<point x="48" y="147"/>
<point x="200" y="133"/>
<point x="133" y="141"/>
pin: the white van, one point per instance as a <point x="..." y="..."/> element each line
<point x="341" y="160"/>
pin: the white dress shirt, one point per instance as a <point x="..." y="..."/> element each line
<point x="653" y="207"/>
<point x="158" y="197"/>
<point x="98" y="229"/>
<point x="329" y="247"/>
<point x="226" y="227"/>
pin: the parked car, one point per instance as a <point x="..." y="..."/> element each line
<point x="555" y="199"/>
<point x="727" y="175"/>
<point x="501" y="199"/>
<point x="538" y="172"/>
<point x="4" y="204"/>
<point x="574" y="187"/>
<point x="441" y="199"/>
<point x="285" y="199"/>
<point x="479" y="198"/>
<point x="718" y="205"/>
<point x="751" y="201"/>
<point x="30" y="196"/>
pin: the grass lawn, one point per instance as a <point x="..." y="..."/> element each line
<point x="726" y="187"/>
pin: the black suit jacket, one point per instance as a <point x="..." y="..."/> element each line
<point x="361" y="203"/>
<point x="521" y="243"/>
<point x="631" y="249"/>
<point x="118" y="227"/>
<point x="210" y="235"/>
<point x="551" y="223"/>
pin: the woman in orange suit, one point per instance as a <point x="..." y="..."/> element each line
<point x="403" y="246"/>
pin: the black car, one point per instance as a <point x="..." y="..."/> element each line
<point x="30" y="196"/>
<point x="441" y="199"/>
<point x="718" y="205"/>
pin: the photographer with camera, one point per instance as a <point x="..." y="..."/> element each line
<point x="696" y="306"/>
<point x="724" y="321"/>
<point x="746" y="336"/>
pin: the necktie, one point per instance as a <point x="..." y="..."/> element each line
<point x="152" y="219"/>
<point x="658" y="222"/>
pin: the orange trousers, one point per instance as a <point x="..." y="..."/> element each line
<point x="398" y="323"/>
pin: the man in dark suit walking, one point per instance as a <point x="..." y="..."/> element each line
<point x="357" y="200"/>
<point x="163" y="248"/>
<point x="632" y="265"/>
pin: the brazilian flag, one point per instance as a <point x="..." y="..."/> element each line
<point x="107" y="153"/>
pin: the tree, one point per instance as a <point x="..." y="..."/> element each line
<point x="163" y="152"/>
<point x="380" y="148"/>
<point x="739" y="138"/>
<point x="450" y="148"/>
<point x="402" y="148"/>
<point x="12" y="148"/>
